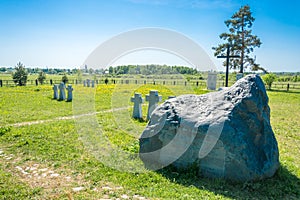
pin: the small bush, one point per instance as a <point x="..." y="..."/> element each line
<point x="269" y="79"/>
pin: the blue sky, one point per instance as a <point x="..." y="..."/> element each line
<point x="62" y="33"/>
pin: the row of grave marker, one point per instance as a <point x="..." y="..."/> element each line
<point x="60" y="94"/>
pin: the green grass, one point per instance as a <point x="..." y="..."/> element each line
<point x="60" y="146"/>
<point x="19" y="104"/>
<point x="14" y="188"/>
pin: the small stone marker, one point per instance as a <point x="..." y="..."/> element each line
<point x="55" y="91"/>
<point x="212" y="81"/>
<point x="93" y="83"/>
<point x="70" y="95"/>
<point x="137" y="107"/>
<point x="36" y="82"/>
<point x="153" y="99"/>
<point x="51" y="82"/>
<point x="62" y="93"/>
<point x="239" y="76"/>
<point x="88" y="82"/>
<point x="84" y="83"/>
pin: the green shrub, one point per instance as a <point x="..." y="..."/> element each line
<point x="269" y="79"/>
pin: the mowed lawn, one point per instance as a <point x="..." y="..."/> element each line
<point x="55" y="155"/>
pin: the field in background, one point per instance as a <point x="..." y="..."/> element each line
<point x="47" y="160"/>
<point x="173" y="79"/>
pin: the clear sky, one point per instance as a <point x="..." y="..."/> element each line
<point x="62" y="33"/>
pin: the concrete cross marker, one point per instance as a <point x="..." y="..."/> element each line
<point x="62" y="93"/>
<point x="55" y="91"/>
<point x="153" y="99"/>
<point x="70" y="95"/>
<point x="137" y="107"/>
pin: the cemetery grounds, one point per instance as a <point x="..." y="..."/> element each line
<point x="42" y="155"/>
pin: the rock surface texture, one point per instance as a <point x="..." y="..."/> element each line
<point x="225" y="134"/>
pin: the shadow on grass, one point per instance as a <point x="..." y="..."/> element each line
<point x="283" y="185"/>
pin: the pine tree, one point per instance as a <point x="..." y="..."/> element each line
<point x="42" y="77"/>
<point x="241" y="40"/>
<point x="65" y="79"/>
<point x="20" y="75"/>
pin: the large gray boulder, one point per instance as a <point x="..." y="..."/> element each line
<point x="225" y="134"/>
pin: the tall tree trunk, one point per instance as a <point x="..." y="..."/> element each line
<point x="243" y="46"/>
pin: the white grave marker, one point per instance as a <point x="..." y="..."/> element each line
<point x="212" y="81"/>
<point x="137" y="107"/>
<point x="153" y="99"/>
<point x="62" y="93"/>
<point x="55" y="90"/>
<point x="70" y="95"/>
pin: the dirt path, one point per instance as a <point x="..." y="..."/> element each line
<point x="59" y="182"/>
<point x="65" y="117"/>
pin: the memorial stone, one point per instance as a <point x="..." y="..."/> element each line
<point x="70" y="91"/>
<point x="55" y="91"/>
<point x="212" y="81"/>
<point x="62" y="93"/>
<point x="137" y="107"/>
<point x="225" y="134"/>
<point x="88" y="82"/>
<point x="153" y="98"/>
